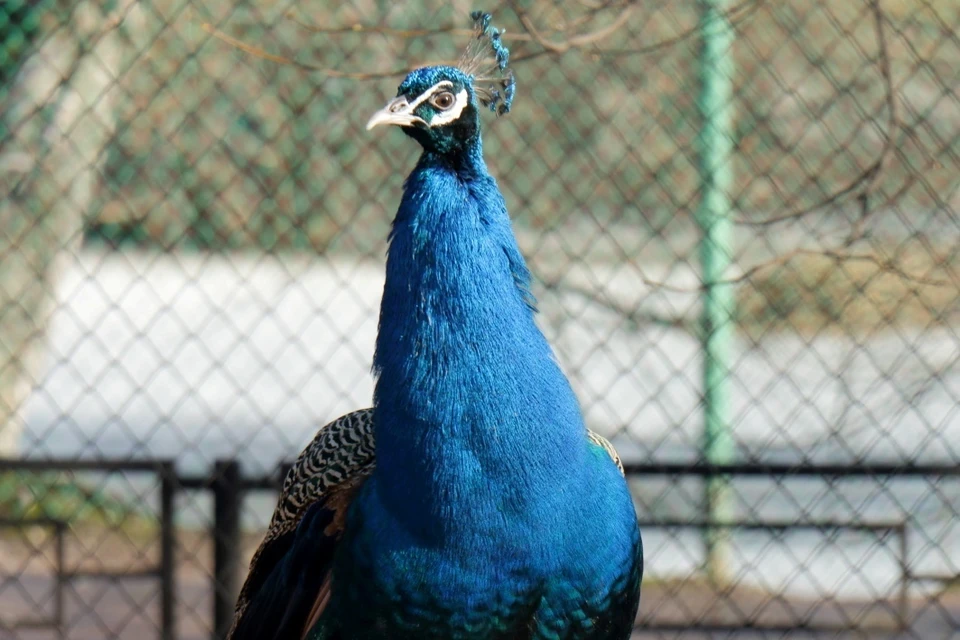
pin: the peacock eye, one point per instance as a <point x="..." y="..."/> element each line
<point x="443" y="100"/>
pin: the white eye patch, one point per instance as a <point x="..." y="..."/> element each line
<point x="444" y="117"/>
<point x="451" y="114"/>
<point x="426" y="95"/>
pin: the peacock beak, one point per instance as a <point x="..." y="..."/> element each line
<point x="398" y="111"/>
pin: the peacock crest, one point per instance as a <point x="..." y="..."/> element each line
<point x="485" y="61"/>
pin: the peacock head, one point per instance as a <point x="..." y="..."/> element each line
<point x="439" y="106"/>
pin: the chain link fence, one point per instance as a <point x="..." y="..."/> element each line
<point x="741" y="216"/>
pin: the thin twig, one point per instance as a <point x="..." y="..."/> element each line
<point x="893" y="123"/>
<point x="448" y="30"/>
<point x="576" y="41"/>
<point x="294" y="16"/>
<point x="635" y="315"/>
<point x="866" y="181"/>
<point x="306" y="66"/>
<point x="549" y="47"/>
<point x="746" y="9"/>
<point x="596" y="6"/>
<point x="840" y="255"/>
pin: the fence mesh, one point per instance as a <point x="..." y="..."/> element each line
<point x="192" y="236"/>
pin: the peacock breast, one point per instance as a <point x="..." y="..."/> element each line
<point x="523" y="582"/>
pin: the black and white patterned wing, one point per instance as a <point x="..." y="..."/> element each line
<point x="322" y="481"/>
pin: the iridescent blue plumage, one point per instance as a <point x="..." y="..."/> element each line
<point x="490" y="512"/>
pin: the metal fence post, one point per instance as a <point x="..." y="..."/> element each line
<point x="168" y="480"/>
<point x="227" y="495"/>
<point x="903" y="602"/>
<point x="715" y="145"/>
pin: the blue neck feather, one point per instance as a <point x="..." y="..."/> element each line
<point x="473" y="413"/>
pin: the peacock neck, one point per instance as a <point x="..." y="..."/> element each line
<point x="472" y="410"/>
<point x="463" y="159"/>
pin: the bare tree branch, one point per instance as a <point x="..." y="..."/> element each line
<point x="863" y="185"/>
<point x="447" y="30"/>
<point x="306" y="66"/>
<point x="893" y="123"/>
<point x="550" y="47"/>
<point x="866" y="181"/>
<point x="736" y="15"/>
<point x="841" y="255"/>
<point x="635" y="315"/>
<point x="577" y="41"/>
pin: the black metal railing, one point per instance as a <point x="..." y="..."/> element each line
<point x="229" y="488"/>
<point x="55" y="621"/>
<point x="163" y="571"/>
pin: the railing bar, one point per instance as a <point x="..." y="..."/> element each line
<point x="752" y="469"/>
<point x="168" y="487"/>
<point x="104" y="465"/>
<point x="61" y="581"/>
<point x="878" y="527"/>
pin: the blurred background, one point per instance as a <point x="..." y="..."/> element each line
<point x="742" y="220"/>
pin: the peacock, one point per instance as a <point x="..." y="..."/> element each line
<point x="471" y="501"/>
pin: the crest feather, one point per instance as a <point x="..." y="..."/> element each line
<point x="485" y="61"/>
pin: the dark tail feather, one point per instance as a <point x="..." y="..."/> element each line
<point x="279" y="609"/>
